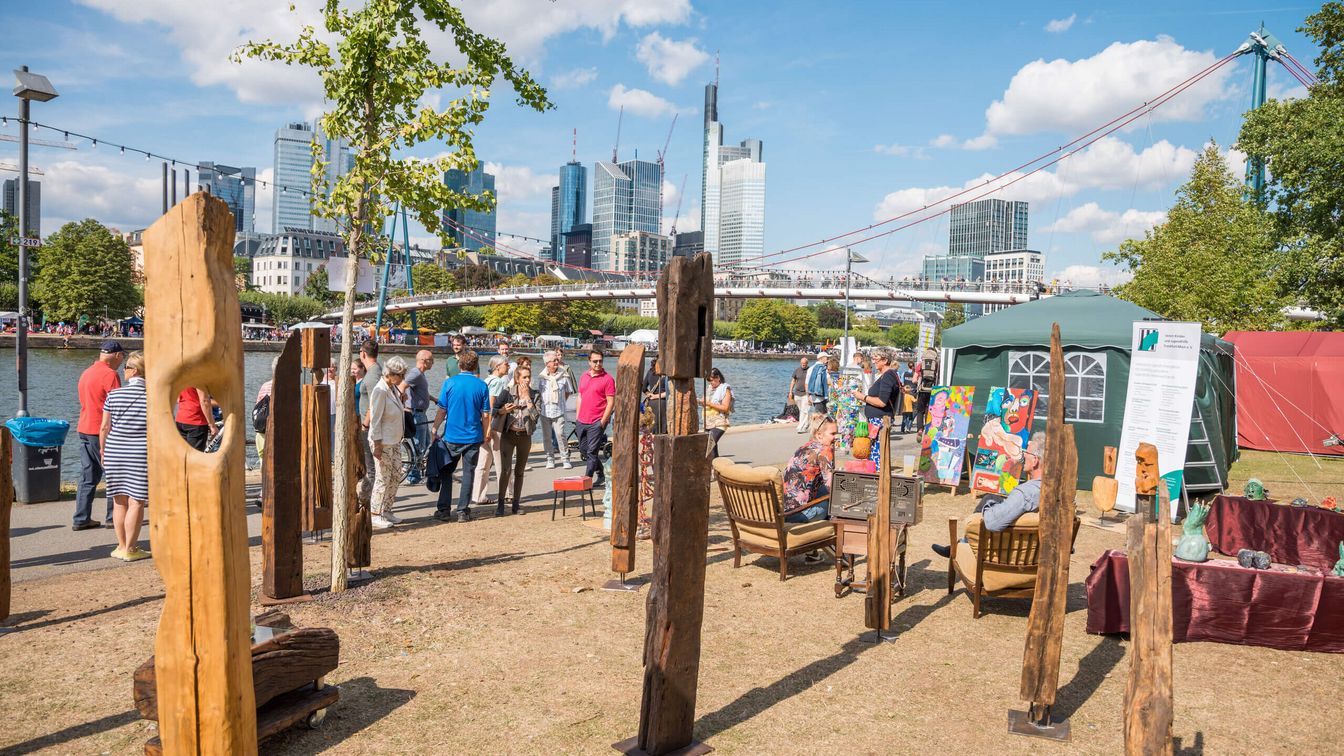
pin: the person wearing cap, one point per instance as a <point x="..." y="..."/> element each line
<point x="95" y="383"/>
<point x="818" y="392"/>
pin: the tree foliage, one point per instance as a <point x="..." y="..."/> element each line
<point x="1301" y="143"/>
<point x="282" y="309"/>
<point x="9" y="249"/>
<point x="1214" y="259"/>
<point x="774" y="321"/>
<point x="543" y="317"/>
<point x="477" y="276"/>
<point x="85" y="269"/>
<point x="830" y="315"/>
<point x="318" y="287"/>
<point x="954" y="315"/>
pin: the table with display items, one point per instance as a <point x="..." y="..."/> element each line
<point x="1290" y="535"/>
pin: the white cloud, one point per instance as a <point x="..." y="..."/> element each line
<point x="669" y="61"/>
<point x="1110" y="163"/>
<point x="761" y="105"/>
<point x="574" y="78"/>
<point x="982" y="142"/>
<point x="1107" y="226"/>
<point x="1236" y="161"/>
<point x="515" y="183"/>
<point x="208" y="33"/>
<point x="78" y="189"/>
<point x="1058" y="25"/>
<point x="639" y="102"/>
<point x="901" y="150"/>
<point x="1090" y="276"/>
<point x="1072" y="97"/>
<point x="944" y="141"/>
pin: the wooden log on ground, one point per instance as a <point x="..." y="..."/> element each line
<point x="282" y="494"/>
<point x="359" y="537"/>
<point x="281" y="664"/>
<point x="6" y="506"/>
<point x="199" y="529"/>
<point x="625" y="459"/>
<point x="676" y="602"/>
<point x="877" y="602"/>
<point x="315" y="459"/>
<point x="1149" y="704"/>
<point x="1045" y="625"/>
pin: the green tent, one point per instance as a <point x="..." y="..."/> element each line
<point x="1011" y="348"/>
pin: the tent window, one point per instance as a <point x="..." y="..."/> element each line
<point x="1084" y="383"/>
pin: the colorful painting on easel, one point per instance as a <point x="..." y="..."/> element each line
<point x="942" y="444"/>
<point x="845" y="408"/>
<point x="1003" y="439"/>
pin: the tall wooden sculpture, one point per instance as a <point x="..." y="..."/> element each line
<point x="203" y="659"/>
<point x="676" y="602"/>
<point x="625" y="465"/>
<point x="1148" y="696"/>
<point x="6" y="506"/>
<point x="1045" y="625"/>
<point x="315" y="459"/>
<point x="359" y="539"/>
<point x="281" y="498"/>
<point x="877" y="602"/>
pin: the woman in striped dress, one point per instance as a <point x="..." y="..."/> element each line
<point x="125" y="459"/>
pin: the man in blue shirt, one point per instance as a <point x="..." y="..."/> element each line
<point x="999" y="512"/>
<point x="461" y="420"/>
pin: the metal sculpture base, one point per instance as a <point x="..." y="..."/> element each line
<point x="630" y="747"/>
<point x="1048" y="726"/>
<point x="878" y="637"/>
<point x="621" y="585"/>
<point x="358" y="576"/>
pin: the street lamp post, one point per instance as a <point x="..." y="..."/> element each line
<point x="30" y="87"/>
<point x="851" y="257"/>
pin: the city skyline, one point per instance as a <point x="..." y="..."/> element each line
<point x="1028" y="84"/>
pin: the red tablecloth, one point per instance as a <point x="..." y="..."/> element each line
<point x="1222" y="602"/>
<point x="1290" y="535"/>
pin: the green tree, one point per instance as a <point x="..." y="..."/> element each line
<point x="513" y="317"/>
<point x="282" y="309"/>
<point x="9" y="295"/>
<point x="1301" y="142"/>
<point x="318" y="286"/>
<point x="477" y="276"/>
<point x="1214" y="259"/>
<point x="761" y="320"/>
<point x="376" y="70"/>
<point x="242" y="271"/>
<point x="431" y="278"/>
<point x="954" y="315"/>
<point x="830" y="315"/>
<point x="9" y="249"/>
<point x="800" y="323"/>
<point x="85" y="270"/>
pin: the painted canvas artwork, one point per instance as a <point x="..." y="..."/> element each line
<point x="1003" y="438"/>
<point x="942" y="444"/>
<point x="845" y="408"/>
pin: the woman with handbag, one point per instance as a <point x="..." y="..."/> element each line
<point x="718" y="405"/>
<point x="497" y="380"/>
<point x="387" y="415"/>
<point x="515" y="417"/>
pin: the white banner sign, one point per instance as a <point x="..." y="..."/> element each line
<point x="1163" y="364"/>
<point x="926" y="333"/>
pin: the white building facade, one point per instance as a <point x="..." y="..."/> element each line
<point x="1013" y="266"/>
<point x="639" y="252"/>
<point x="284" y="261"/>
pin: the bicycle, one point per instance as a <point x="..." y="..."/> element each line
<point x="413" y="458"/>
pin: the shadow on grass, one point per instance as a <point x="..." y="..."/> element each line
<point x="12" y="625"/>
<point x="482" y="561"/>
<point x="362" y="704"/>
<point x="1092" y="670"/>
<point x="1194" y="749"/>
<point x="74" y="732"/>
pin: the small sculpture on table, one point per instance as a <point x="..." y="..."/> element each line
<point x="1339" y="566"/>
<point x="1194" y="545"/>
<point x="1255" y="490"/>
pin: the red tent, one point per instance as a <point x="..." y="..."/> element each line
<point x="1290" y="390"/>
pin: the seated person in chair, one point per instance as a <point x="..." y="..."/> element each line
<point x="808" y="476"/>
<point x="1000" y="512"/>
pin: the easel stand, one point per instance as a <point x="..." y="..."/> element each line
<point x="1045" y="624"/>
<point x="625" y="467"/>
<point x="1148" y="694"/>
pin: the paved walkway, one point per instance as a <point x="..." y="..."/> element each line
<point x="44" y="545"/>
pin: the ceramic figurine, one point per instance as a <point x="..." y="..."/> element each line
<point x="1194" y="546"/>
<point x="1329" y="503"/>
<point x="1255" y="490"/>
<point x="1339" y="566"/>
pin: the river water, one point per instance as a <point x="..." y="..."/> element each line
<point x="759" y="386"/>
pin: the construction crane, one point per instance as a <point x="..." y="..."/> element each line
<point x="681" y="194"/>
<point x="32" y="170"/>
<point x="667" y="142"/>
<point x="617" y="146"/>
<point x="41" y="142"/>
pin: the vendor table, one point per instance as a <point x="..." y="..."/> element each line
<point x="851" y="542"/>
<point x="1290" y="535"/>
<point x="1221" y="602"/>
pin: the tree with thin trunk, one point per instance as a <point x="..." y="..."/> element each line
<point x="377" y="70"/>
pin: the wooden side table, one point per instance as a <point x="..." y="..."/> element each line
<point x="851" y="542"/>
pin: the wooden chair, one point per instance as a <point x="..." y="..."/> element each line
<point x="998" y="565"/>
<point x="752" y="496"/>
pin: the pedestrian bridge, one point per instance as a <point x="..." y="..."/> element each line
<point x="808" y="287"/>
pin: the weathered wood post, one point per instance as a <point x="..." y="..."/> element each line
<point x="676" y="602"/>
<point x="1148" y="695"/>
<point x="203" y="658"/>
<point x="877" y="602"/>
<point x="358" y="539"/>
<point x="1045" y="624"/>
<point x="625" y="465"/>
<point x="6" y="506"/>
<point x="281" y="498"/>
<point x="315" y="459"/>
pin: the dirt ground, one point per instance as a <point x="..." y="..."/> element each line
<point x="493" y="637"/>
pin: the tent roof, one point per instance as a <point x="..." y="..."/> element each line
<point x="1087" y="320"/>
<point x="1288" y="343"/>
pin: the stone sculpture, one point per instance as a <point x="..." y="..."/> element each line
<point x="1255" y="560"/>
<point x="1255" y="490"/>
<point x="1194" y="546"/>
<point x="1339" y="566"/>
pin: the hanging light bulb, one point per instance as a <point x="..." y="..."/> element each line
<point x="67" y="136"/>
<point x="123" y="149"/>
<point x="146" y="157"/>
<point x="95" y="144"/>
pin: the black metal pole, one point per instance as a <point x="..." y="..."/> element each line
<point x="174" y="182"/>
<point x="165" y="188"/>
<point x="21" y="334"/>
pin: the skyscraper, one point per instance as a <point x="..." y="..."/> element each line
<point x="567" y="205"/>
<point x="627" y="196"/>
<point x="11" y="204"/>
<point x="237" y="187"/>
<point x="732" y="191"/>
<point x="292" y="207"/>
<point x="978" y="228"/>
<point x="472" y="229"/>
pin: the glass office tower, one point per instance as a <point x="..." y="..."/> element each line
<point x="568" y="201"/>
<point x="472" y="229"/>
<point x="627" y="196"/>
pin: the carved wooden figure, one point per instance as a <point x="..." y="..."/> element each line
<point x="6" y="506"/>
<point x="877" y="602"/>
<point x="202" y="661"/>
<point x="625" y="459"/>
<point x="281" y="499"/>
<point x="1045" y="624"/>
<point x="1148" y="694"/>
<point x="315" y="460"/>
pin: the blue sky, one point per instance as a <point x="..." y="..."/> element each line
<point x="866" y="109"/>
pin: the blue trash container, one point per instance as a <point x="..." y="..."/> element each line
<point x="37" y="457"/>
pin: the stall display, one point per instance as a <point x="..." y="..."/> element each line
<point x="1003" y="439"/>
<point x="845" y="408"/>
<point x="1194" y="545"/>
<point x="1290" y="535"/>
<point x="942" y="444"/>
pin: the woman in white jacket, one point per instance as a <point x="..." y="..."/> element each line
<point x="386" y="427"/>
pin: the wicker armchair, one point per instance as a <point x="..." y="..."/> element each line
<point x="752" y="496"/>
<point x="998" y="565"/>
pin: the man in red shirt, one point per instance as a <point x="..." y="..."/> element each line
<point x="597" y="391"/>
<point x="95" y="384"/>
<point x="194" y="421"/>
